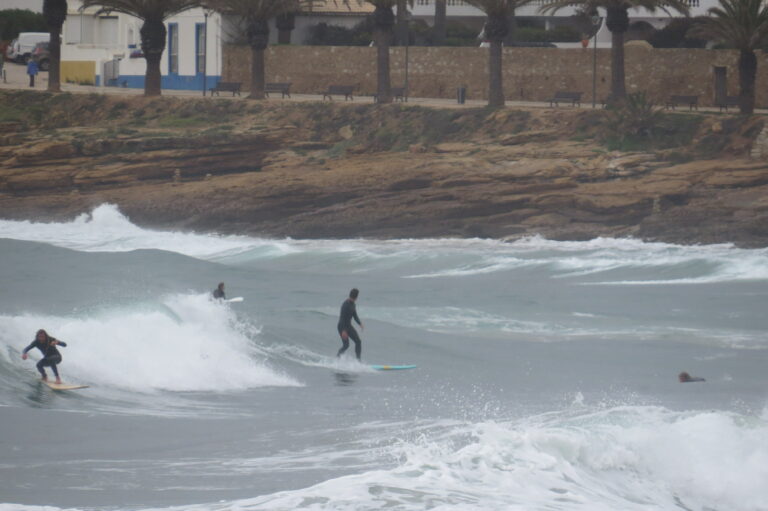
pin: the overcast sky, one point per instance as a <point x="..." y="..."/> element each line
<point x="34" y="5"/>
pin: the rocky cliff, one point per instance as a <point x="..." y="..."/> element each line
<point x="351" y="170"/>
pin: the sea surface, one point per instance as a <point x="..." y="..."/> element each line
<point x="546" y="379"/>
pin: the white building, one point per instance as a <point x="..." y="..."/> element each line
<point x="105" y="49"/>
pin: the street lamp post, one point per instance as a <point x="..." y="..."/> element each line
<point x="596" y="22"/>
<point x="206" y="13"/>
<point x="407" y="45"/>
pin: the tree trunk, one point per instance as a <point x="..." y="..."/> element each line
<point x="496" y="30"/>
<point x="54" y="61"/>
<point x="618" y="87"/>
<point x="383" y="84"/>
<point x="383" y="21"/>
<point x="55" y="12"/>
<point x="617" y="21"/>
<point x="153" y="35"/>
<point x="257" y="33"/>
<point x="747" y="76"/>
<point x="495" y="81"/>
<point x="401" y="29"/>
<point x="438" y="31"/>
<point x="257" y="74"/>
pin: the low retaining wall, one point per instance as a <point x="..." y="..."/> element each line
<point x="530" y="74"/>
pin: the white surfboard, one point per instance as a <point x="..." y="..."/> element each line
<point x="236" y="299"/>
<point x="64" y="386"/>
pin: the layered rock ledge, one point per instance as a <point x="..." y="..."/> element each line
<point x="314" y="170"/>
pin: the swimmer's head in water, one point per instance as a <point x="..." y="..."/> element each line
<point x="684" y="376"/>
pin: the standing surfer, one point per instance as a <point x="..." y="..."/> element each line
<point x="218" y="293"/>
<point x="346" y="330"/>
<point x="51" y="356"/>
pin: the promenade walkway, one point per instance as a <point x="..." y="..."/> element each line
<point x="16" y="78"/>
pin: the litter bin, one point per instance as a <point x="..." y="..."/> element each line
<point x="461" y="95"/>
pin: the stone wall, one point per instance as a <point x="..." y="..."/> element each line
<point x="530" y="74"/>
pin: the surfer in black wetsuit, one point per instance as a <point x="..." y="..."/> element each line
<point x="218" y="293"/>
<point x="51" y="356"/>
<point x="346" y="330"/>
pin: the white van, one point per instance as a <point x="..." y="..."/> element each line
<point x="21" y="48"/>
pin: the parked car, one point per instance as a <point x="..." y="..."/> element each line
<point x="42" y="56"/>
<point x="20" y="49"/>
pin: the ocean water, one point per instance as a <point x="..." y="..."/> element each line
<point x="546" y="379"/>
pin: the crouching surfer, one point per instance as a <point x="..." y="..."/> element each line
<point x="346" y="330"/>
<point x="219" y="293"/>
<point x="687" y="378"/>
<point x="51" y="356"/>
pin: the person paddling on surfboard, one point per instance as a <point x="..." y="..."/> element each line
<point x="218" y="293"/>
<point x="346" y="330"/>
<point x="51" y="356"/>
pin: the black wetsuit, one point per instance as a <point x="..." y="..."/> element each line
<point x="218" y="293"/>
<point x="349" y="312"/>
<point x="51" y="355"/>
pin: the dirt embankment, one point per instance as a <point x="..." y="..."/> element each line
<point x="349" y="170"/>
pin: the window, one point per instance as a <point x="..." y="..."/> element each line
<point x="200" y="48"/>
<point x="173" y="48"/>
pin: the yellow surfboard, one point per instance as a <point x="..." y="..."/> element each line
<point x="64" y="386"/>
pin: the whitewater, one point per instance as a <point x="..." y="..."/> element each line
<point x="546" y="379"/>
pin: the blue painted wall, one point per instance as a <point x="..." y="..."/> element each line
<point x="171" y="82"/>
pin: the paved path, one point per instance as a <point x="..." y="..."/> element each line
<point x="16" y="78"/>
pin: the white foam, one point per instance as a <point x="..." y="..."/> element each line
<point x="106" y="229"/>
<point x="629" y="458"/>
<point x="186" y="343"/>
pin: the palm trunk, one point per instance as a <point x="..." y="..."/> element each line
<point x="153" y="35"/>
<point x="401" y="29"/>
<point x="617" y="21"/>
<point x="257" y="73"/>
<point x="55" y="12"/>
<point x="54" y="67"/>
<point x="383" y="85"/>
<point x="747" y="76"/>
<point x="438" y="37"/>
<point x="383" y="21"/>
<point x="495" y="81"/>
<point x="257" y="33"/>
<point x="618" y="82"/>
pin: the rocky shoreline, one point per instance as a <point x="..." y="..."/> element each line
<point x="316" y="170"/>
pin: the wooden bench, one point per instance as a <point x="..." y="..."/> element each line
<point x="674" y="100"/>
<point x="728" y="101"/>
<point x="398" y="94"/>
<point x="574" y="98"/>
<point x="282" y="88"/>
<point x="339" y="90"/>
<point x="233" y="87"/>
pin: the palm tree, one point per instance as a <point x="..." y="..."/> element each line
<point x="153" y="34"/>
<point x="499" y="13"/>
<point x="54" y="12"/>
<point x="741" y="24"/>
<point x="255" y="16"/>
<point x="617" y="21"/>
